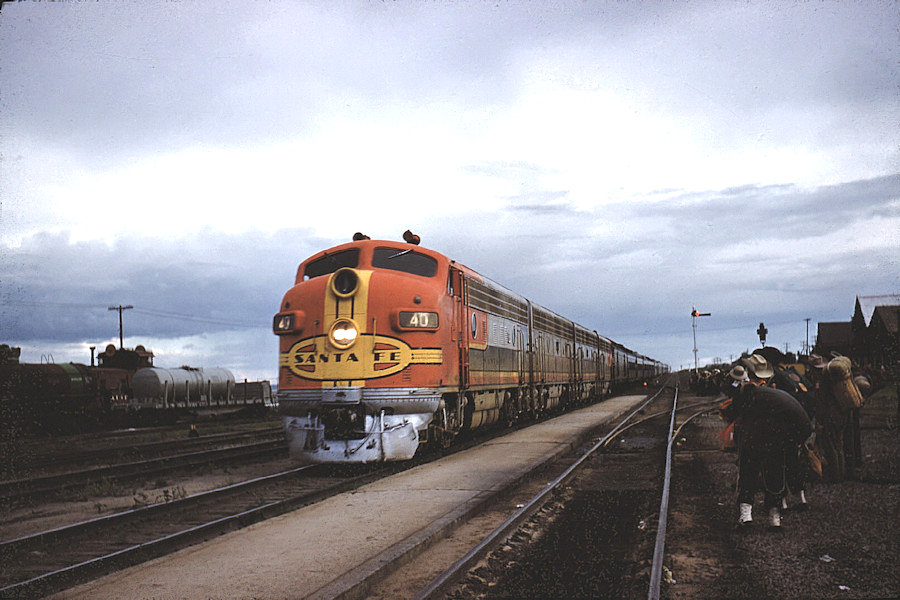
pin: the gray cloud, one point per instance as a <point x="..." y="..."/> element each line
<point x="97" y="76"/>
<point x="654" y="261"/>
<point x="635" y="280"/>
<point x="100" y="85"/>
<point x="54" y="289"/>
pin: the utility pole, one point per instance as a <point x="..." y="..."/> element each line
<point x="694" y="315"/>
<point x="806" y="347"/>
<point x="120" y="308"/>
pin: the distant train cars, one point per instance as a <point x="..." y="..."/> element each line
<point x="384" y="345"/>
<point x="123" y="389"/>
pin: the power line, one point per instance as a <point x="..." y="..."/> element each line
<point x="680" y="331"/>
<point x="195" y="318"/>
<point x="144" y="311"/>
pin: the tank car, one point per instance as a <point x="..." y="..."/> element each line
<point x="154" y="387"/>
<point x="385" y="345"/>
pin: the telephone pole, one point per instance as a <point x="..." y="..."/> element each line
<point x="806" y="347"/>
<point x="120" y="308"/>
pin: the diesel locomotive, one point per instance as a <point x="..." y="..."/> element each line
<point x="387" y="345"/>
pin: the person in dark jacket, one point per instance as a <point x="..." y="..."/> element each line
<point x="770" y="425"/>
<point x="788" y="379"/>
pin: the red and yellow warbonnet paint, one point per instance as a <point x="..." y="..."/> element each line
<point x="369" y="355"/>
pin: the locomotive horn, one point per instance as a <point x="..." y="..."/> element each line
<point x="360" y="236"/>
<point x="410" y="238"/>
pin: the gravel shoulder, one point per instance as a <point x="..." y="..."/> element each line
<point x="844" y="546"/>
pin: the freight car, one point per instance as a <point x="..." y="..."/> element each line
<point x="185" y="386"/>
<point x="123" y="389"/>
<point x="66" y="397"/>
<point x="199" y="389"/>
<point x="385" y="345"/>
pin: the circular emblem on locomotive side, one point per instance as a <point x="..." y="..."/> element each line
<point x="370" y="357"/>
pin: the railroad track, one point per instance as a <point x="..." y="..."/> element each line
<point x="51" y="485"/>
<point x="51" y="560"/>
<point x="637" y="439"/>
<point x="59" y="558"/>
<point x="131" y="452"/>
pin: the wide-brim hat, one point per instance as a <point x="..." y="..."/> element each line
<point x="817" y="362"/>
<point x="759" y="366"/>
<point x="738" y="373"/>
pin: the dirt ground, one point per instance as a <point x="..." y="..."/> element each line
<point x="97" y="500"/>
<point x="845" y="545"/>
<point x="104" y="499"/>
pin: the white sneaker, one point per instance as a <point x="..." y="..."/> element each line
<point x="774" y="517"/>
<point x="746" y="517"/>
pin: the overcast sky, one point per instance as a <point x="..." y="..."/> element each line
<point x="616" y="162"/>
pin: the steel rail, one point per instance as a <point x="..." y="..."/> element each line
<point x="76" y="456"/>
<point x="23" y="488"/>
<point x="659" y="548"/>
<point x="504" y="529"/>
<point x="136" y="553"/>
<point x="56" y="534"/>
<point x="692" y="417"/>
<point x="665" y="412"/>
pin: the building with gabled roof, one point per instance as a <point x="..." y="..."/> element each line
<point x="874" y="330"/>
<point x="884" y="337"/>
<point x="834" y="337"/>
<point x="866" y="305"/>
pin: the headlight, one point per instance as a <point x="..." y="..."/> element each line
<point x="419" y="320"/>
<point x="343" y="333"/>
<point x="344" y="282"/>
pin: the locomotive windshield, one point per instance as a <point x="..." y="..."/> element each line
<point x="407" y="261"/>
<point x="331" y="263"/>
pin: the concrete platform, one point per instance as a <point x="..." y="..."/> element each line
<point x="330" y="549"/>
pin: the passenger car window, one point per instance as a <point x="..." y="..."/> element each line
<point x="331" y="263"/>
<point x="407" y="261"/>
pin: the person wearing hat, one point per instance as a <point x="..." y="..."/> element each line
<point x="837" y="419"/>
<point x="788" y="379"/>
<point x="770" y="425"/>
<point x="759" y="368"/>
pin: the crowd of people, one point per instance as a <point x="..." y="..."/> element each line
<point x="788" y="419"/>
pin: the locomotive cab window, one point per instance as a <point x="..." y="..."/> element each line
<point x="407" y="261"/>
<point x="331" y="263"/>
